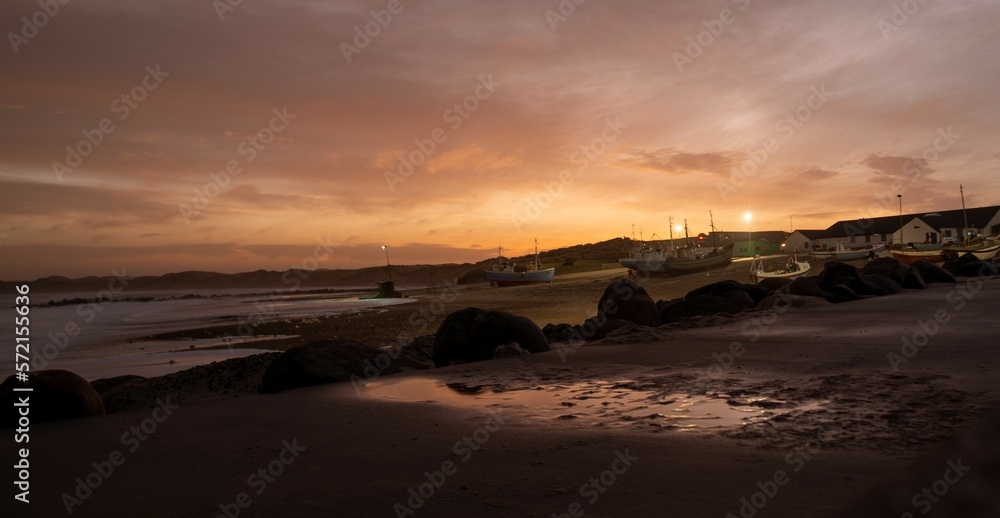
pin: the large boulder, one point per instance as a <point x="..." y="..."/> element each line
<point x="931" y="272"/>
<point x="722" y="287"/>
<point x="913" y="280"/>
<point x="731" y="302"/>
<point x="626" y="300"/>
<point x="473" y="334"/>
<point x="835" y="272"/>
<point x="559" y="332"/>
<point x="326" y="361"/>
<point x="773" y="284"/>
<point x="55" y="394"/>
<point x="805" y="287"/>
<point x="976" y="268"/>
<point x="887" y="267"/>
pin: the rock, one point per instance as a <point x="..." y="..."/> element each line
<point x="511" y="350"/>
<point x="773" y="284"/>
<point x="595" y="328"/>
<point x="704" y="305"/>
<point x="719" y="288"/>
<point x="913" y="280"/>
<point x="835" y="272"/>
<point x="472" y="334"/>
<point x="559" y="332"/>
<point x="887" y="267"/>
<point x="805" y="287"/>
<point x="877" y="285"/>
<point x="326" y="361"/>
<point x="625" y="299"/>
<point x="840" y="293"/>
<point x="931" y="272"/>
<point x="104" y="385"/>
<point x="976" y="269"/>
<point x="56" y="394"/>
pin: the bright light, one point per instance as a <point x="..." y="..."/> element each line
<point x="747" y="217"/>
<point x="678" y="228"/>
<point x="383" y="247"/>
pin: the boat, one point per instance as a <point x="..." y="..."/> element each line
<point x="982" y="252"/>
<point x="677" y="260"/>
<point x="848" y="255"/>
<point x="910" y="256"/>
<point x="505" y="273"/>
<point x="793" y="268"/>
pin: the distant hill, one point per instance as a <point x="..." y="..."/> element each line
<point x="404" y="275"/>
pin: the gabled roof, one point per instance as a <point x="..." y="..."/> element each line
<point x="812" y="234"/>
<point x="978" y="217"/>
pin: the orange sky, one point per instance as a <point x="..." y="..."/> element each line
<point x="518" y="122"/>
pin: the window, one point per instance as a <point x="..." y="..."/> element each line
<point x="852" y="239"/>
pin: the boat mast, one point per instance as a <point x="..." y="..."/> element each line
<point x="538" y="263"/>
<point x="965" y="219"/>
<point x="687" y="238"/>
<point x="670" y="223"/>
<point x="711" y="228"/>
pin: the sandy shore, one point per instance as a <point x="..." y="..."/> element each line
<point x="633" y="425"/>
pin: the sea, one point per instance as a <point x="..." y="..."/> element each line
<point x="106" y="338"/>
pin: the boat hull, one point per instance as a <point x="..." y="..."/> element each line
<point x="912" y="256"/>
<point x="520" y="278"/>
<point x="981" y="253"/>
<point x="759" y="275"/>
<point x="679" y="266"/>
<point x="850" y="255"/>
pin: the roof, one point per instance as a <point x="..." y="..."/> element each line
<point x="979" y="217"/>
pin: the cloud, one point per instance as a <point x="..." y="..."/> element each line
<point x="677" y="162"/>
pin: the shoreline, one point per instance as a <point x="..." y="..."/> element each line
<point x="867" y="424"/>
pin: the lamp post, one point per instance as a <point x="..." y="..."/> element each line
<point x="747" y="217"/>
<point x="900" y="196"/>
<point x="387" y="267"/>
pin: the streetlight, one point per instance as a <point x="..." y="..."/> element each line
<point x="747" y="217"/>
<point x="900" y="196"/>
<point x="389" y="269"/>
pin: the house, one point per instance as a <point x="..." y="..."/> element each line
<point x="930" y="227"/>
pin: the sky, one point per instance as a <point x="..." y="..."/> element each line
<point x="172" y="135"/>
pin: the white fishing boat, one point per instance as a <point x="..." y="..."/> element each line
<point x="793" y="268"/>
<point x="505" y="273"/>
<point x="860" y="253"/>
<point x="678" y="260"/>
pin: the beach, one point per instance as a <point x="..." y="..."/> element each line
<point x="810" y="416"/>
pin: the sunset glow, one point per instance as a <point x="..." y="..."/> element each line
<point x="168" y="136"/>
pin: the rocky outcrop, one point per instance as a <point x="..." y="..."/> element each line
<point x="887" y="267"/>
<point x="473" y="334"/>
<point x="626" y="300"/>
<point x="55" y="394"/>
<point x="326" y="361"/>
<point x="930" y="272"/>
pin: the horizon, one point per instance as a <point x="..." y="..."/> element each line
<point x="270" y="135"/>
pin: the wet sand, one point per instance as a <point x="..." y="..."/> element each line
<point x="831" y="426"/>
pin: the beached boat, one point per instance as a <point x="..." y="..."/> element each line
<point x="982" y="252"/>
<point x="794" y="268"/>
<point x="510" y="274"/>
<point x="849" y="255"/>
<point x="910" y="256"/>
<point x="678" y="260"/>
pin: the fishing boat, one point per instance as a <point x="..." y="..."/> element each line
<point x="678" y="260"/>
<point x="505" y="273"/>
<point x="848" y="255"/>
<point x="982" y="252"/>
<point x="910" y="256"/>
<point x="793" y="268"/>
